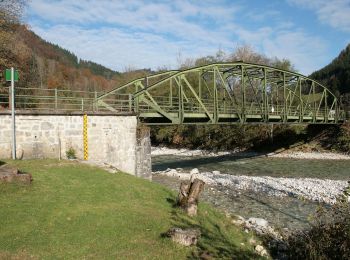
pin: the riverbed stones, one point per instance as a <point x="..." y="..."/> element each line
<point x="252" y="241"/>
<point x="194" y="171"/>
<point x="261" y="250"/>
<point x="171" y="171"/>
<point x="238" y="221"/>
<point x="320" y="190"/>
<point x="257" y="222"/>
<point x="284" y="154"/>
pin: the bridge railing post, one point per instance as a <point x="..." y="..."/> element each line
<point x="95" y="106"/>
<point x="242" y="95"/>
<point x="56" y="99"/>
<point x="301" y="106"/>
<point x="285" y="115"/>
<point x="130" y="103"/>
<point x="136" y="103"/>
<point x="326" y="112"/>
<point x="265" y="101"/>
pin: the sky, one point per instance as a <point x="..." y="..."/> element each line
<point x="155" y="34"/>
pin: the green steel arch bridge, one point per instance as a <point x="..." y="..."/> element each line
<point x="220" y="93"/>
<point x="225" y="93"/>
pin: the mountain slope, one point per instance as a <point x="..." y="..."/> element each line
<point x="46" y="65"/>
<point x="56" y="67"/>
<point x="336" y="75"/>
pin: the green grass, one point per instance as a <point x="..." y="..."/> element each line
<point x="75" y="211"/>
<point x="312" y="97"/>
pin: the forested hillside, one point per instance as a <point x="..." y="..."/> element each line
<point x="336" y="76"/>
<point x="45" y="65"/>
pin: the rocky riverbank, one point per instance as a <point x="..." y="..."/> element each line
<point x="310" y="155"/>
<point x="156" y="151"/>
<point x="313" y="189"/>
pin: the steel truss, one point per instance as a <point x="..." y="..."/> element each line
<point x="225" y="93"/>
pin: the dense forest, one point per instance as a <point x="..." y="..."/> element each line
<point x="336" y="76"/>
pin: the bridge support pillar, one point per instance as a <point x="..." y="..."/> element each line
<point x="143" y="153"/>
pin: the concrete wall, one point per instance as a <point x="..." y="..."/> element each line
<point x="111" y="139"/>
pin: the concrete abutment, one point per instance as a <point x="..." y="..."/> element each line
<point x="113" y="139"/>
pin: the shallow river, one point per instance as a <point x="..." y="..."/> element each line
<point x="286" y="212"/>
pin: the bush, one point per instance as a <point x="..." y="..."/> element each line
<point x="227" y="137"/>
<point x="343" y="139"/>
<point x="329" y="237"/>
<point x="70" y="153"/>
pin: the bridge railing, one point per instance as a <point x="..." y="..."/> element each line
<point x="59" y="100"/>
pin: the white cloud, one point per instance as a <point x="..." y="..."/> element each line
<point x="335" y="13"/>
<point x="118" y="34"/>
<point x="117" y="49"/>
<point x="156" y="31"/>
<point x="306" y="52"/>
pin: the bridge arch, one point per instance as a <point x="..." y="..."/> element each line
<point x="225" y="93"/>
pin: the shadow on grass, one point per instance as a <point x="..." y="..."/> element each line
<point x="218" y="239"/>
<point x="172" y="201"/>
<point x="2" y="163"/>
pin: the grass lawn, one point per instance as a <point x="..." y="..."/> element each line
<point x="75" y="211"/>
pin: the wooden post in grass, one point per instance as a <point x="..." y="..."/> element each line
<point x="189" y="194"/>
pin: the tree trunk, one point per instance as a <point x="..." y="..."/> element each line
<point x="189" y="194"/>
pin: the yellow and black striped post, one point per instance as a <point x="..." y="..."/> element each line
<point x="85" y="138"/>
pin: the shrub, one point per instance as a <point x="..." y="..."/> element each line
<point x="70" y="153"/>
<point x="329" y="237"/>
<point x="343" y="140"/>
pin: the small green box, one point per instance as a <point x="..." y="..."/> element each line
<point x="8" y="75"/>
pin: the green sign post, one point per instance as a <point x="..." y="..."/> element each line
<point x="8" y="75"/>
<point x="12" y="76"/>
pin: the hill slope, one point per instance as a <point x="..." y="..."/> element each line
<point x="46" y="65"/>
<point x="336" y="75"/>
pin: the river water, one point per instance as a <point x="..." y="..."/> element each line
<point x="285" y="212"/>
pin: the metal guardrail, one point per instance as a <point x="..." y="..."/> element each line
<point x="59" y="100"/>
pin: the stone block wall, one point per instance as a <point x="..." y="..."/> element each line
<point x="111" y="139"/>
<point x="143" y="153"/>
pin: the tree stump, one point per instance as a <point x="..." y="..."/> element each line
<point x="189" y="194"/>
<point x="185" y="237"/>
